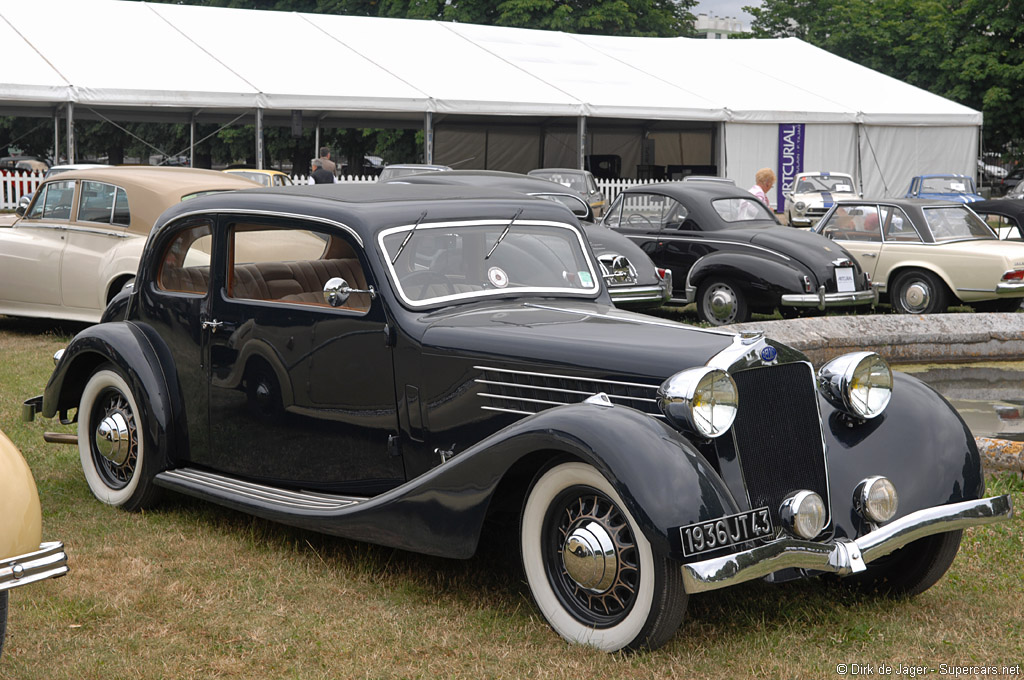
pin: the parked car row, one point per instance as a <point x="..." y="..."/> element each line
<point x="418" y="365"/>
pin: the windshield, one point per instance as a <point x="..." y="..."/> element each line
<point x="822" y="183"/>
<point x="954" y="223"/>
<point x="947" y="185"/>
<point x="742" y="209"/>
<point x="463" y="260"/>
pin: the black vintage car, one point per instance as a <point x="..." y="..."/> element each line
<point x="1005" y="216"/>
<point x="632" y="278"/>
<point x="728" y="253"/>
<point x="419" y="364"/>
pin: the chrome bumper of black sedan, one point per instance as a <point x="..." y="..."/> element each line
<point x="636" y="294"/>
<point x="842" y="556"/>
<point x="823" y="300"/>
<point x="50" y="561"/>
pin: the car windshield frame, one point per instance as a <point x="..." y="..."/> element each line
<point x="943" y="229"/>
<point x="506" y="232"/>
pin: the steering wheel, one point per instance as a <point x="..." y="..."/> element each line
<point x="630" y="220"/>
<point x="425" y="278"/>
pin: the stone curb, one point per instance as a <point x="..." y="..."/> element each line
<point x="1001" y="454"/>
<point x="902" y="338"/>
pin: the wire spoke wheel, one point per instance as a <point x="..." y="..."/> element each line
<point x="115" y="441"/>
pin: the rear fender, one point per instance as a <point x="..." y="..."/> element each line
<point x="763" y="279"/>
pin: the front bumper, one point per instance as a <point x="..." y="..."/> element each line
<point x="842" y="556"/>
<point x="823" y="300"/>
<point x="50" y="561"/>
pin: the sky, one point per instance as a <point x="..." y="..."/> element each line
<point x="726" y="8"/>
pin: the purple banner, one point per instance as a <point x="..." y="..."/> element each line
<point x="791" y="160"/>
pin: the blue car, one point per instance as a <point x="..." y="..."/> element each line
<point x="950" y="187"/>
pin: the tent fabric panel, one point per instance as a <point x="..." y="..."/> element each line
<point x="515" y="149"/>
<point x="28" y="77"/>
<point x="892" y="155"/>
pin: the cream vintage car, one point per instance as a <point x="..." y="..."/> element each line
<point x="78" y="242"/>
<point x="925" y="255"/>
<point x="24" y="558"/>
<point x="813" y="193"/>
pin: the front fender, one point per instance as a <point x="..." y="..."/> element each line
<point x="662" y="479"/>
<point x="920" y="443"/>
<point x="133" y="351"/>
<point x="763" y="279"/>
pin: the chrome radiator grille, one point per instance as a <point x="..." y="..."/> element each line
<point x="778" y="434"/>
<point x="528" y="392"/>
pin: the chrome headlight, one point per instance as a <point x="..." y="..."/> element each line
<point x="859" y="384"/>
<point x="799" y="206"/>
<point x="803" y="514"/>
<point x="875" y="499"/>
<point x="702" y="400"/>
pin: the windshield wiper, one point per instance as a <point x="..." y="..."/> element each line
<point x="408" y="236"/>
<point x="503" y="234"/>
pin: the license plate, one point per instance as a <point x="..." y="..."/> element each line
<point x="725" y="531"/>
<point x="844" y="280"/>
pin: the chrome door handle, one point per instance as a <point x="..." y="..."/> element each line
<point x="212" y="325"/>
<point x="870" y="254"/>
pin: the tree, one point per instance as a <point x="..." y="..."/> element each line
<point x="969" y="51"/>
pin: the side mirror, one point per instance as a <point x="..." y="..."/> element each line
<point x="336" y="291"/>
<point x="20" y="210"/>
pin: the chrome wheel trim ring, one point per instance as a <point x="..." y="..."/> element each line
<point x="720" y="302"/>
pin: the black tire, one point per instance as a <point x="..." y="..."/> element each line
<point x="912" y="569"/>
<point x="113" y="442"/>
<point x="721" y="302"/>
<point x="3" y="620"/>
<point x="627" y="596"/>
<point x="1005" y="305"/>
<point x="919" y="292"/>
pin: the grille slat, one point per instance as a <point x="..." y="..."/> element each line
<point x="778" y="434"/>
<point x="531" y="392"/>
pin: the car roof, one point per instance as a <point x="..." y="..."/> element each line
<point x="368" y="208"/>
<point x="263" y="171"/>
<point x="511" y="181"/>
<point x="574" y="170"/>
<point x="1010" y="207"/>
<point x="152" y="189"/>
<point x="691" y="190"/>
<point x="905" y="203"/>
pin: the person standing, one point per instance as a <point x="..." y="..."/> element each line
<point x="325" y="159"/>
<point x="320" y="175"/>
<point x="764" y="180"/>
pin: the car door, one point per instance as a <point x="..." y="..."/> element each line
<point x="101" y="224"/>
<point x="301" y="392"/>
<point x="857" y="228"/>
<point x="31" y="250"/>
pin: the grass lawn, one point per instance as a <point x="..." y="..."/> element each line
<point x="192" y="590"/>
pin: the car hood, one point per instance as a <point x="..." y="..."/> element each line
<point x="573" y="337"/>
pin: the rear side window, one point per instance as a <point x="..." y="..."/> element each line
<point x="185" y="262"/>
<point x="103" y="203"/>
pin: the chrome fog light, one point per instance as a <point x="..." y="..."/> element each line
<point x="702" y="400"/>
<point x="876" y="500"/>
<point x="859" y="384"/>
<point x="803" y="514"/>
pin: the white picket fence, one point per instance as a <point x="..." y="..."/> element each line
<point x="19" y="184"/>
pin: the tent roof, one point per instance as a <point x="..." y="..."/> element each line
<point x="115" y="54"/>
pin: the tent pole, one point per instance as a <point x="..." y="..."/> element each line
<point x="581" y="138"/>
<point x="316" y="142"/>
<point x="859" y="164"/>
<point x="428" y="138"/>
<point x="192" y="142"/>
<point x="71" y="133"/>
<point x="56" y="136"/>
<point x="723" y="158"/>
<point x="259" y="139"/>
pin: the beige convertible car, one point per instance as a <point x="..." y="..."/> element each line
<point x="79" y="241"/>
<point x="925" y="255"/>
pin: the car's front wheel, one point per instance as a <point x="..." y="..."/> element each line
<point x="912" y="569"/>
<point x="112" y="442"/>
<point x="721" y="302"/>
<point x="594" y="576"/>
<point x="919" y="292"/>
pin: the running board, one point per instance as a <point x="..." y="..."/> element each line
<point x="248" y="494"/>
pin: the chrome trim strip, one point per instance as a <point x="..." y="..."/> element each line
<point x="283" y="498"/>
<point x="632" y="318"/>
<point x="563" y="377"/>
<point x="709" y="240"/>
<point x="556" y="389"/>
<point x="1010" y="287"/>
<point x="50" y="561"/>
<point x="526" y="399"/>
<point x="636" y="294"/>
<point x="508" y="410"/>
<point x="843" y="556"/>
<point x="268" y="213"/>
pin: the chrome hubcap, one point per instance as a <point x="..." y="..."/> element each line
<point x="113" y="438"/>
<point x="722" y="303"/>
<point x="589" y="557"/>
<point x="917" y="295"/>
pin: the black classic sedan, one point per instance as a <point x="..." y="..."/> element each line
<point x="632" y="278"/>
<point x="728" y="253"/>
<point x="420" y="365"/>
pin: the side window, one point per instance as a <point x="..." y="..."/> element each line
<point x="614" y="214"/>
<point x="292" y="265"/>
<point x="103" y="203"/>
<point x="643" y="211"/>
<point x="185" y="262"/>
<point x="899" y="227"/>
<point x="55" y="203"/>
<point x="676" y="214"/>
<point x="854" y="223"/>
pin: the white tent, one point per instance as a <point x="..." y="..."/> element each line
<point x="504" y="98"/>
